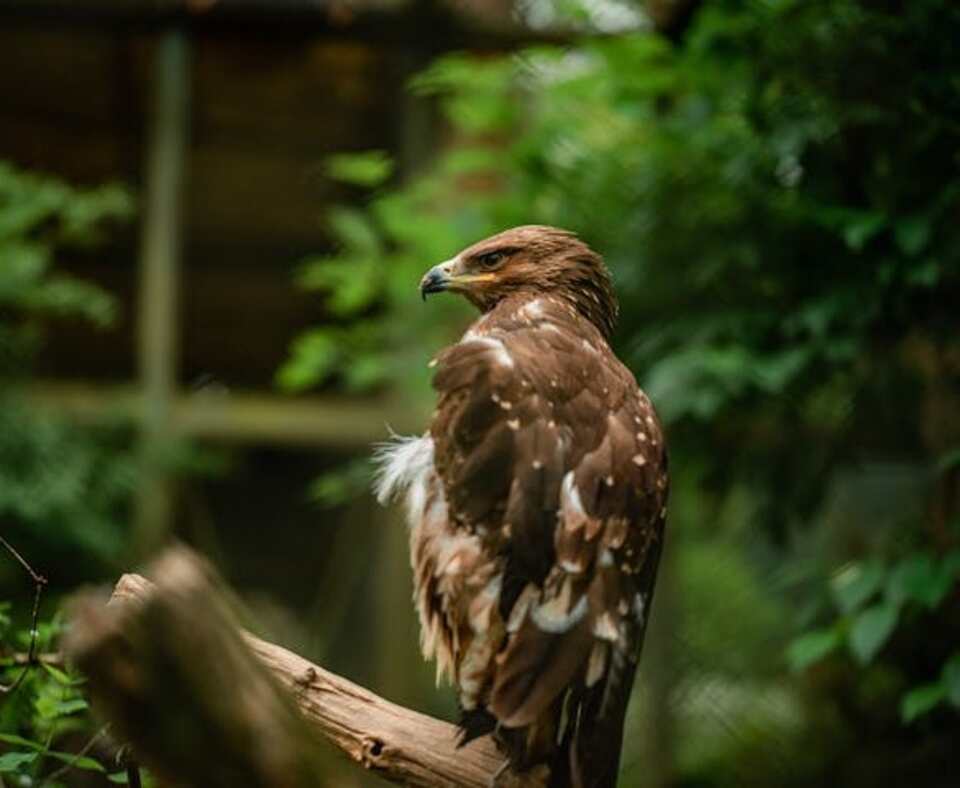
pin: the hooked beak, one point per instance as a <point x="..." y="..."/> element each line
<point x="437" y="279"/>
<point x="449" y="276"/>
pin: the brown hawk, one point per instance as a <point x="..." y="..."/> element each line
<point x="536" y="504"/>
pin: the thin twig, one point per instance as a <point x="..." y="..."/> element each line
<point x="36" y="577"/>
<point x="40" y="582"/>
<point x="56" y="775"/>
<point x="54" y="658"/>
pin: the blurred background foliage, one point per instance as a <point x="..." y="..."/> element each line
<point x="775" y="187"/>
<point x="777" y="195"/>
<point x="62" y="488"/>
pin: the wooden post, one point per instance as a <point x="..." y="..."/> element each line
<point x="160" y="250"/>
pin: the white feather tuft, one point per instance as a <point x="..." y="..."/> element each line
<point x="404" y="465"/>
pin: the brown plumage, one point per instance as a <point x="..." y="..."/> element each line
<point x="536" y="504"/>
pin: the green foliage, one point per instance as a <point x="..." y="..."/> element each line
<point x="923" y="699"/>
<point x="343" y="484"/>
<point x="38" y="215"/>
<point x="856" y="583"/>
<point x="870" y="597"/>
<point x="371" y="168"/>
<point x="47" y="706"/>
<point x="62" y="488"/>
<point x="776" y="196"/>
<point x="68" y="485"/>
<point x="813" y="646"/>
<point x="870" y="630"/>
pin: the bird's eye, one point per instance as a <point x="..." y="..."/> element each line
<point x="490" y="259"/>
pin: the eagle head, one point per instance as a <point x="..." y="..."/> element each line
<point x="532" y="260"/>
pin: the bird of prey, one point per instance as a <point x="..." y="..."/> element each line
<point x="536" y="503"/>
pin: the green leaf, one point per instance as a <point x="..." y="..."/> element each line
<point x="354" y="294"/>
<point x="77" y="761"/>
<point x="313" y="358"/>
<point x="924" y="274"/>
<point x="12" y="761"/>
<point x="370" y="168"/>
<point x="920" y="578"/>
<point x="341" y="485"/>
<point x="355" y="230"/>
<point x="118" y="777"/>
<point x="64" y="295"/>
<point x="855" y="583"/>
<point x="774" y="372"/>
<point x="950" y="678"/>
<point x="871" y="629"/>
<point x="24" y="265"/>
<point x="59" y="675"/>
<point x="20" y="741"/>
<point x="920" y="700"/>
<point x="65" y="707"/>
<point x="811" y="648"/>
<point x="462" y="161"/>
<point x="365" y="372"/>
<point x="913" y="233"/>
<point x="860" y="228"/>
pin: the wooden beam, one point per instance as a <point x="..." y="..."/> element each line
<point x="158" y="291"/>
<point x="399" y="23"/>
<point x="239" y="417"/>
<point x="335" y="422"/>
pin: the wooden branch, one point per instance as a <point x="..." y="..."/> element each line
<point x="205" y="703"/>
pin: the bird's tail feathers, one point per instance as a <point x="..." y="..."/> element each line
<point x="590" y="753"/>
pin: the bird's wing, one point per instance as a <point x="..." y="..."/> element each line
<point x="544" y="443"/>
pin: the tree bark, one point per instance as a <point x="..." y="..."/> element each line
<point x="203" y="702"/>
